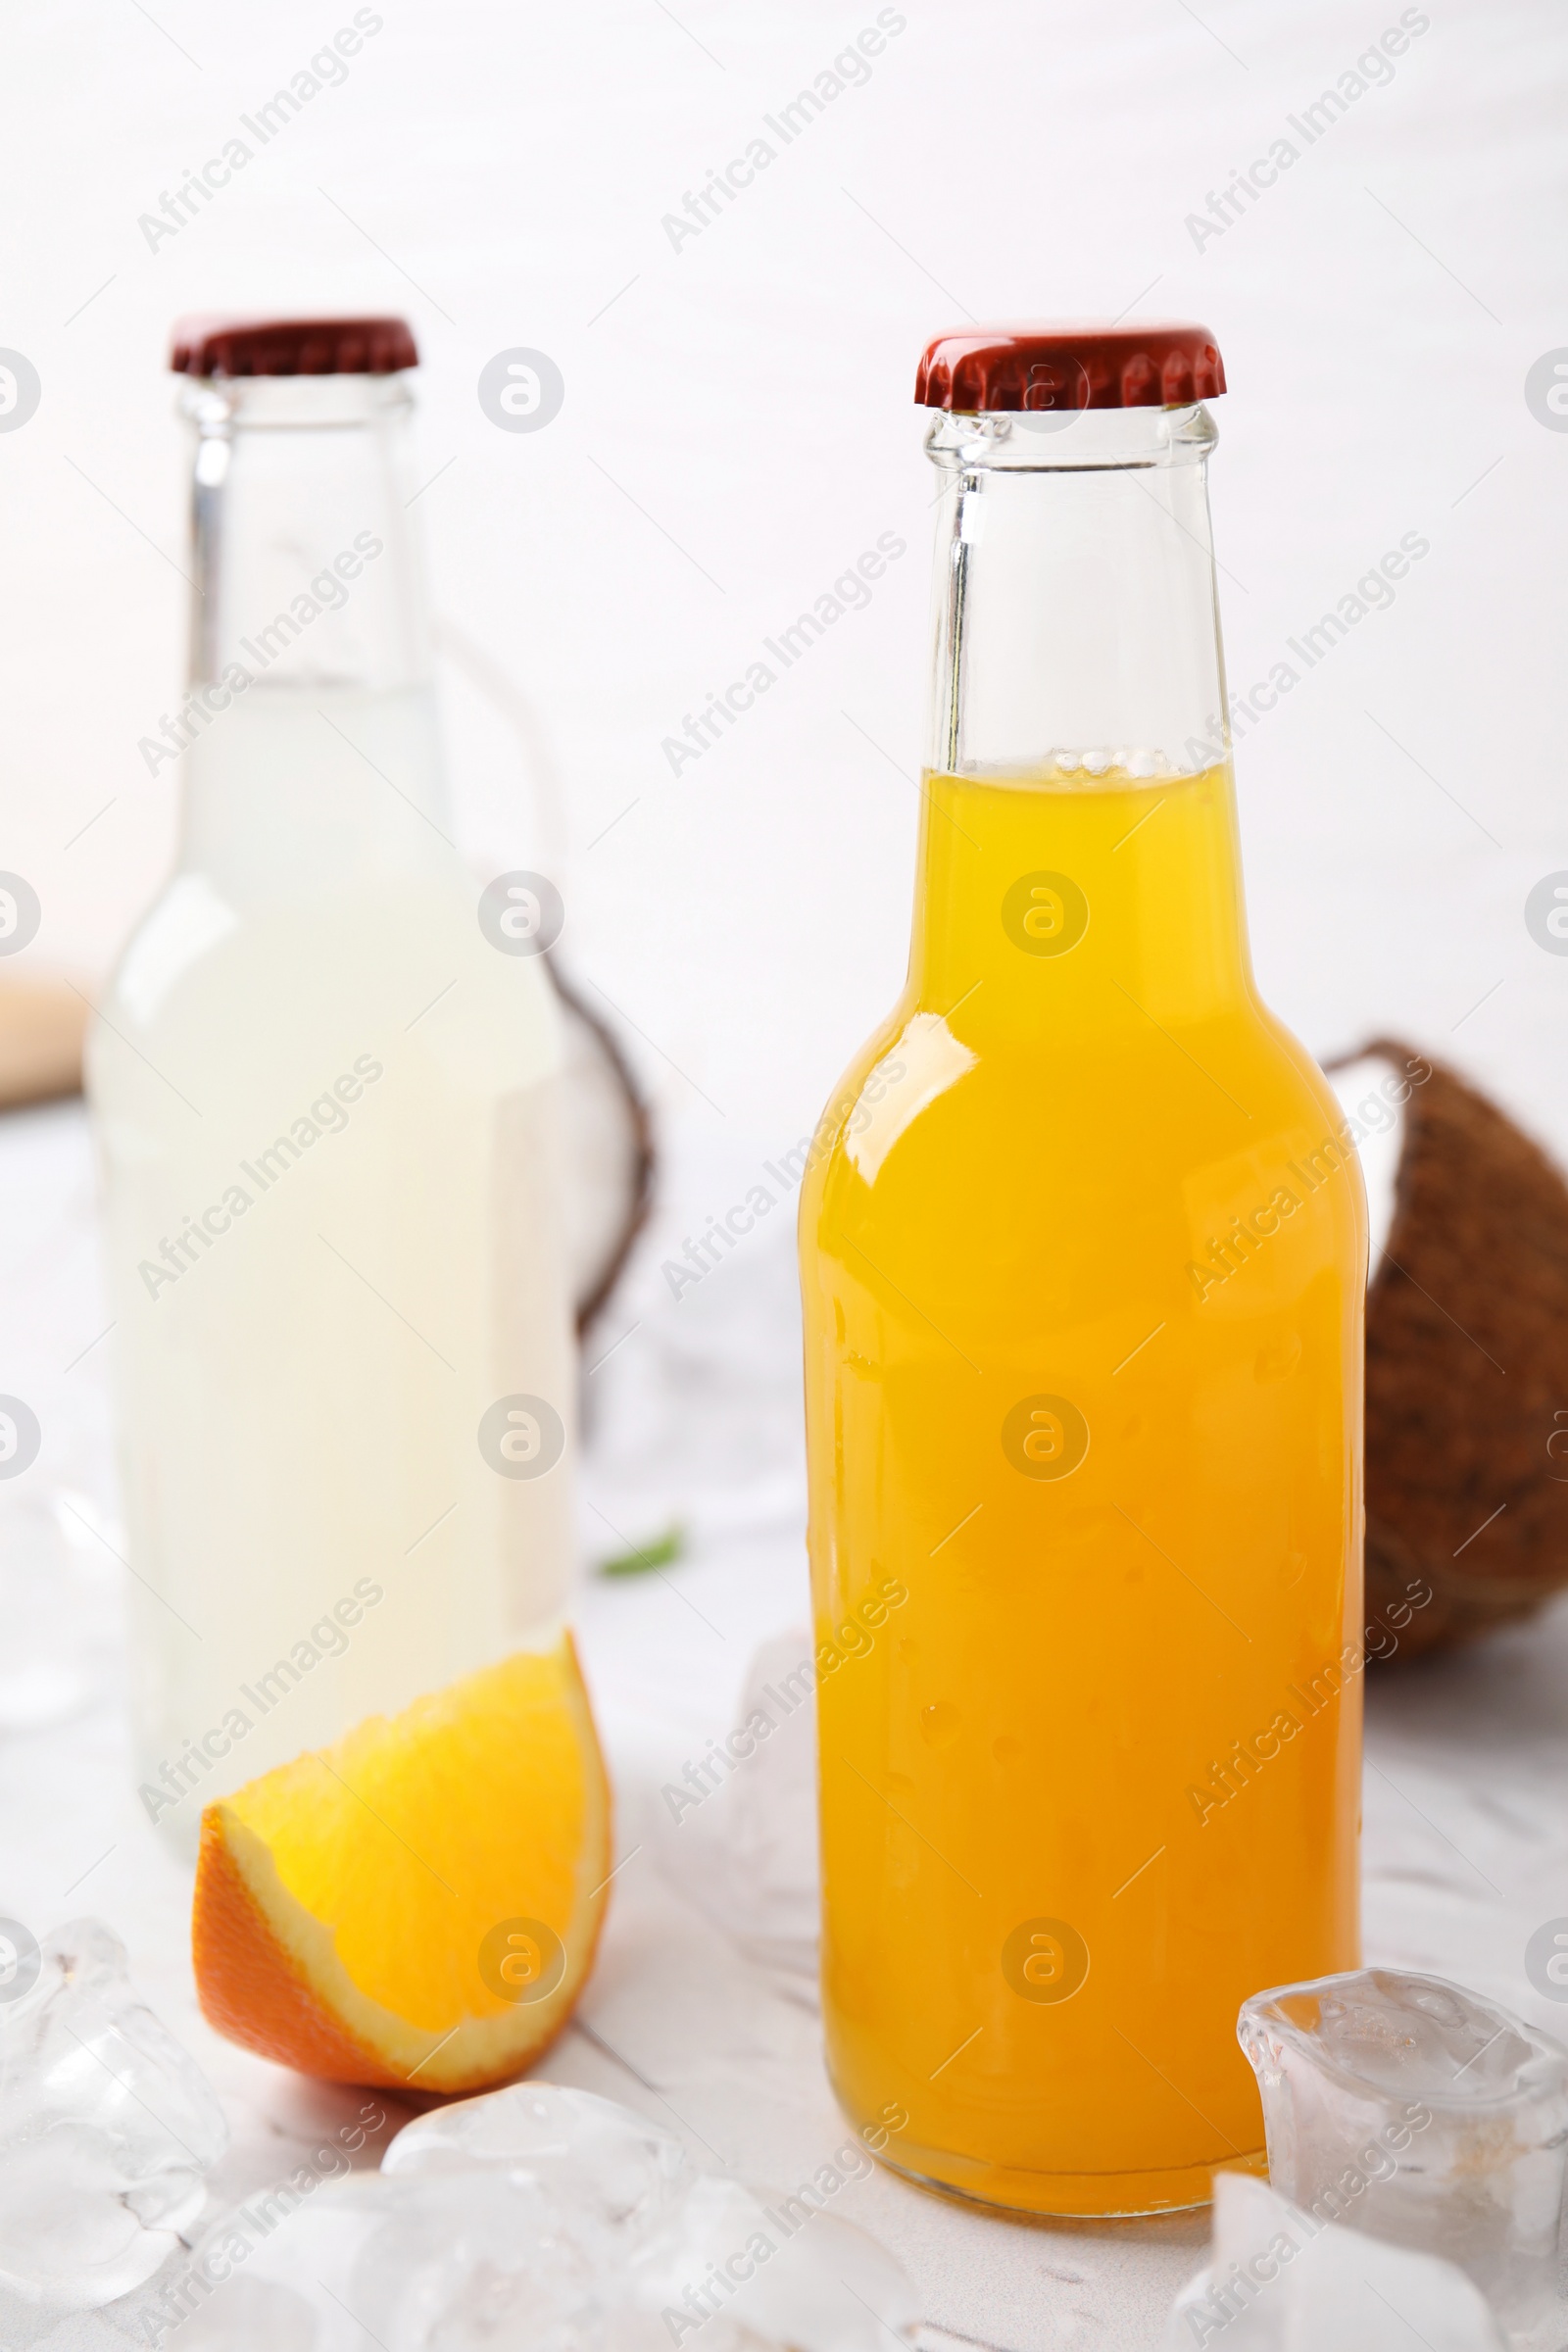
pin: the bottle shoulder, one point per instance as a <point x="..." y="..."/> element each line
<point x="231" y="1003"/>
<point x="186" y="924"/>
<point x="935" y="1117"/>
<point x="201" y="931"/>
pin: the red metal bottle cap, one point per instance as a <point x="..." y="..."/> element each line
<point x="1070" y="367"/>
<point x="291" y="347"/>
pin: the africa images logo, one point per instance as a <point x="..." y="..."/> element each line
<point x="521" y="1437"/>
<point x="1045" y="913"/>
<point x="1045" y="1436"/>
<point x="1045" y="1960"/>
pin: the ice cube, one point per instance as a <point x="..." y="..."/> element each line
<point x="668" y="2251"/>
<point x="488" y="2232"/>
<point x="419" y="2261"/>
<point x="1281" y="2280"/>
<point x="1419" y="2114"/>
<point x="603" y="2165"/>
<point x="738" y="1838"/>
<point x="774" y="2268"/>
<point x="280" y="2247"/>
<point x="107" y="2126"/>
<point x="475" y="2258"/>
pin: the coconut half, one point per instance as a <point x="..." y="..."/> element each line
<point x="1466" y="1356"/>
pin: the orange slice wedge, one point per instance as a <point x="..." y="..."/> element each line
<point x="420" y="1903"/>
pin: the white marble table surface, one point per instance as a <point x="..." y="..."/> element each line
<point x="1466" y="1797"/>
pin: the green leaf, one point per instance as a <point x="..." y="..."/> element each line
<point x="658" y="1553"/>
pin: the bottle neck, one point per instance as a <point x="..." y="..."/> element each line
<point x="1077" y="627"/>
<point x="1079" y="911"/>
<point x="307" y="565"/>
<point x="1079" y="858"/>
<point x="308" y="720"/>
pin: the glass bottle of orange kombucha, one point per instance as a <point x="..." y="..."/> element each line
<point x="1083" y="1261"/>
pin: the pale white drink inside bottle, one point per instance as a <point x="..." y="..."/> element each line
<point x="324" y="1095"/>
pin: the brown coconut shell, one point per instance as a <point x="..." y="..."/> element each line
<point x="1466" y="1374"/>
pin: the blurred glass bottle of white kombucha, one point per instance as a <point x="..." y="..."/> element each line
<point x="324" y="1086"/>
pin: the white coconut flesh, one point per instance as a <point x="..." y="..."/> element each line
<point x="1368" y="1092"/>
<point x="603" y="1145"/>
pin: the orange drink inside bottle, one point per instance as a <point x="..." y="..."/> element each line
<point x="1083" y="1265"/>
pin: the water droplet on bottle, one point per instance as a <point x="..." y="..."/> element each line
<point x="939" y="1723"/>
